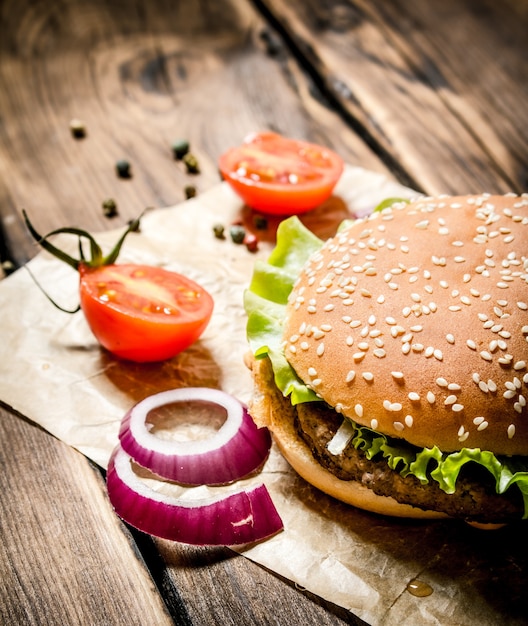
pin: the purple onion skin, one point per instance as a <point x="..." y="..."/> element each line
<point x="242" y="455"/>
<point x="243" y="517"/>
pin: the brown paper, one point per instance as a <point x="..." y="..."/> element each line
<point x="53" y="371"/>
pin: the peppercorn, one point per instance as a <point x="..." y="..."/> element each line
<point x="123" y="168"/>
<point x="251" y="242"/>
<point x="260" y="222"/>
<point x="190" y="191"/>
<point x="8" y="267"/>
<point x="219" y="230"/>
<point x="110" y="207"/>
<point x="77" y="128"/>
<point x="237" y="233"/>
<point x="180" y="148"/>
<point x="191" y="163"/>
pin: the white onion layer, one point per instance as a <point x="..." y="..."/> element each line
<point x="245" y="516"/>
<point x="237" y="449"/>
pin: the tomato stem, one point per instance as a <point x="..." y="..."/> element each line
<point x="97" y="259"/>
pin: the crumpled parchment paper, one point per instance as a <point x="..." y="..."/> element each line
<point x="54" y="372"/>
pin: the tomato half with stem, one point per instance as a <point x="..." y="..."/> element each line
<point x="282" y="176"/>
<point x="143" y="313"/>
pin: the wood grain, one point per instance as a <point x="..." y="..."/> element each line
<point x="139" y="75"/>
<point x="436" y="87"/>
<point x="64" y="556"/>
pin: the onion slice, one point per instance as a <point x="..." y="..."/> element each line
<point x="245" y="516"/>
<point x="237" y="449"/>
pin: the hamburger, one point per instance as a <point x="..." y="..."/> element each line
<point x="390" y="362"/>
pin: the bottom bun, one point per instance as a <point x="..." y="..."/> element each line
<point x="269" y="409"/>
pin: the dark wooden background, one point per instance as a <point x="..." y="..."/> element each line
<point x="432" y="94"/>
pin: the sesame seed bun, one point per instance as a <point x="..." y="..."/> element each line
<point x="414" y="322"/>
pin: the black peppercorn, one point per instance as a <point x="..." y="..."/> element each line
<point x="77" y="128"/>
<point x="110" y="207"/>
<point x="123" y="168"/>
<point x="218" y="230"/>
<point x="191" y="163"/>
<point x="237" y="233"/>
<point x="180" y="148"/>
<point x="260" y="222"/>
<point x="190" y="191"/>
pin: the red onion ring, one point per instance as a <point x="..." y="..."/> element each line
<point x="237" y="449"/>
<point x="242" y="517"/>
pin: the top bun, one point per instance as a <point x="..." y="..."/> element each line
<point x="414" y="322"/>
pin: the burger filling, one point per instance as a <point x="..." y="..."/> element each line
<point x="470" y="484"/>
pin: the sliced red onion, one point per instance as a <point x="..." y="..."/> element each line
<point x="237" y="449"/>
<point x="239" y="518"/>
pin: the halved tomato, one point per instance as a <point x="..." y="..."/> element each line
<point x="274" y="174"/>
<point x="143" y="313"/>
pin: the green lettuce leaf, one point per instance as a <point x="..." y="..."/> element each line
<point x="265" y="304"/>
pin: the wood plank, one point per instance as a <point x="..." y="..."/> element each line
<point x="139" y="75"/>
<point x="438" y="86"/>
<point x="64" y="556"/>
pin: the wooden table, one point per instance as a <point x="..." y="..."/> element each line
<point x="432" y="94"/>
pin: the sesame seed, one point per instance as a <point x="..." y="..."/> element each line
<point x="350" y="376"/>
<point x="312" y="372"/>
<point x="450" y="338"/>
<point x="398" y="426"/>
<point x="486" y="355"/>
<point x="379" y="352"/>
<point x="519" y="365"/>
<point x="431" y="397"/>
<point x="408" y="421"/>
<point x="523" y="306"/>
<point x="358" y="410"/>
<point x="413" y="396"/>
<point x="438" y="354"/>
<point x="450" y="400"/>
<point x="511" y="431"/>
<point x="305" y="345"/>
<point x="482" y="426"/>
<point x="358" y="356"/>
<point x="457" y="407"/>
<point x="478" y="420"/>
<point x="363" y="345"/>
<point x="292" y="349"/>
<point x="397" y="375"/>
<point x="483" y="386"/>
<point x="368" y="376"/>
<point x="374" y="424"/>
